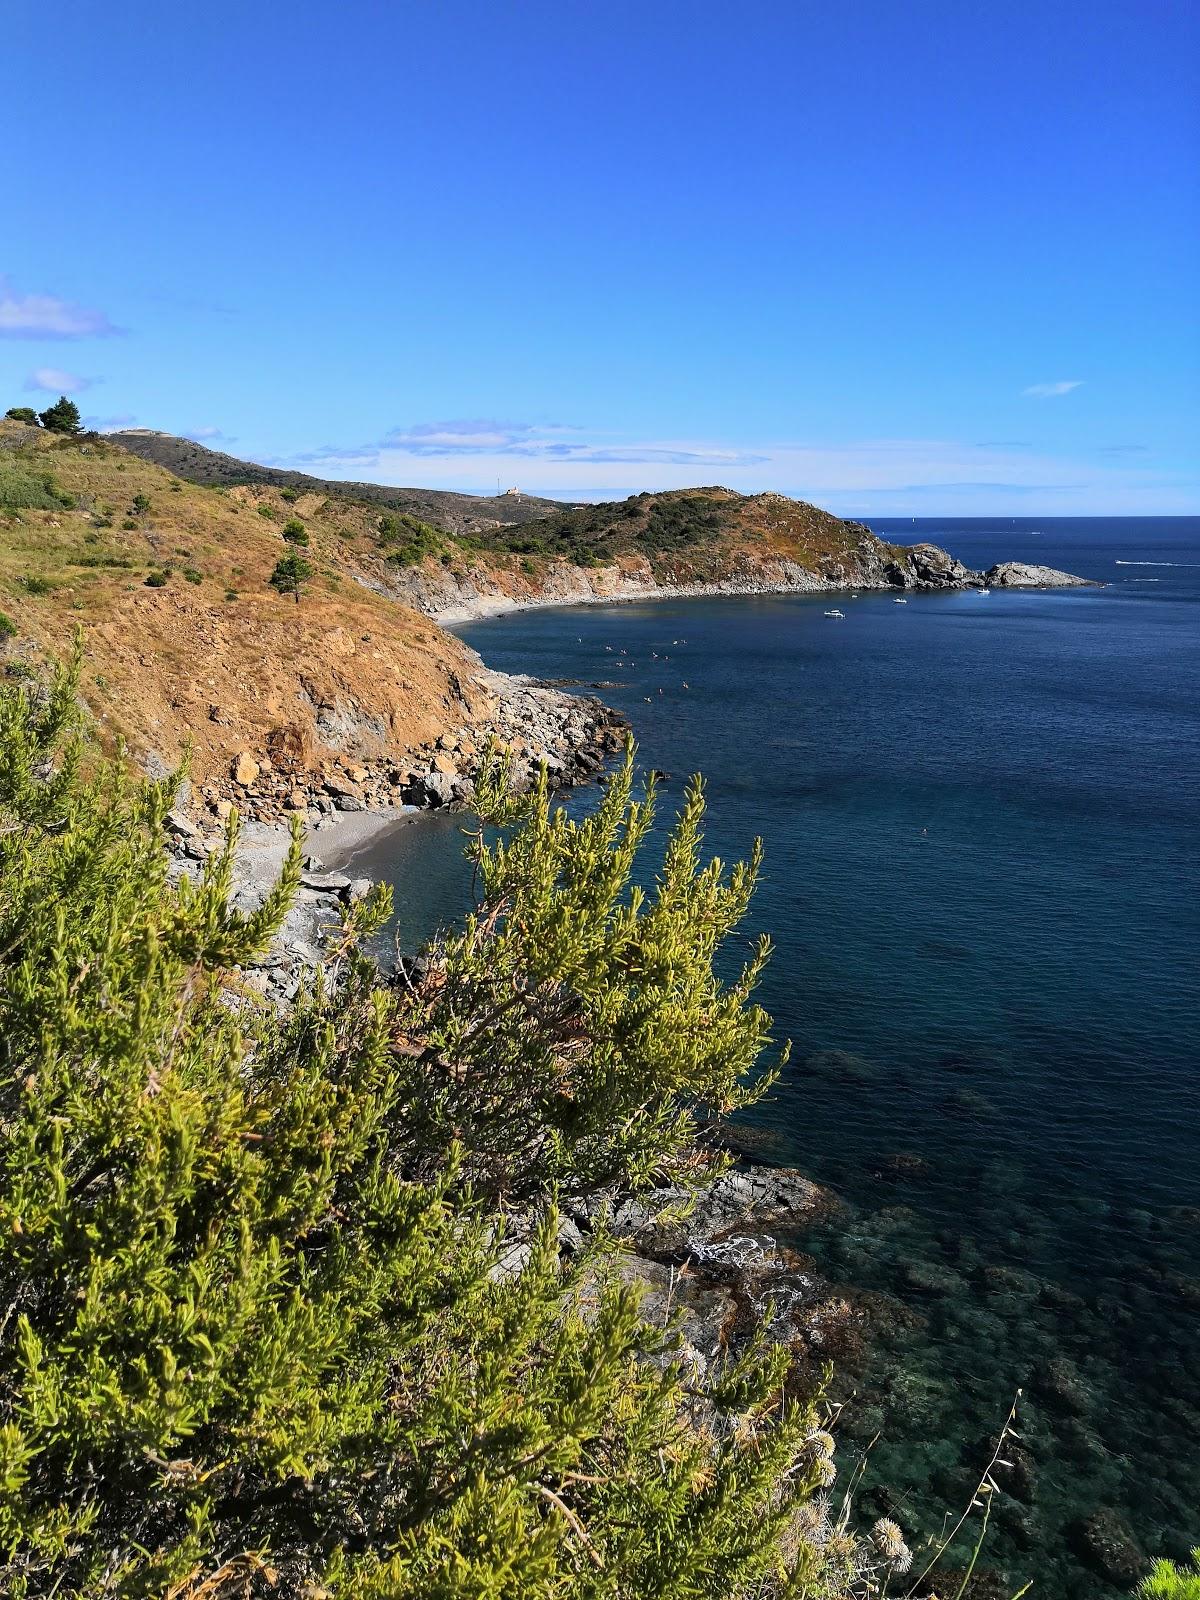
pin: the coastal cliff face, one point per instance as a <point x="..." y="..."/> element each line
<point x="694" y="542"/>
<point x="484" y="589"/>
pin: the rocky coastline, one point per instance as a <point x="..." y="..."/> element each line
<point x="453" y="598"/>
<point x="572" y="735"/>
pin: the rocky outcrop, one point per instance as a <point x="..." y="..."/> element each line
<point x="573" y="735"/>
<point x="673" y="1224"/>
<point x="714" y="1272"/>
<point x="1024" y="575"/>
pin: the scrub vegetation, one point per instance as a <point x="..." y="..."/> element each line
<point x="265" y="1328"/>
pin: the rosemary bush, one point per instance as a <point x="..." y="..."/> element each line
<point x="253" y="1335"/>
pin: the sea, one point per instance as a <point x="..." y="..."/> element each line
<point x="980" y="815"/>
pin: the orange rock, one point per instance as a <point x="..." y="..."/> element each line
<point x="245" y="769"/>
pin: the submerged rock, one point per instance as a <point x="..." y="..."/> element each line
<point x="1061" y="1387"/>
<point x="1104" y="1541"/>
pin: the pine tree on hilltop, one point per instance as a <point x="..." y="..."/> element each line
<point x="62" y="417"/>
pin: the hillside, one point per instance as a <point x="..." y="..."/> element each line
<point x="458" y="513"/>
<point x="345" y="693"/>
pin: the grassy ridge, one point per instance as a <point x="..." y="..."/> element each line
<point x="457" y="513"/>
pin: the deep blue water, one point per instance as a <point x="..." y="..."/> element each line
<point x="980" y="816"/>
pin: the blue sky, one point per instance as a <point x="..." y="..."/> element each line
<point x="926" y="257"/>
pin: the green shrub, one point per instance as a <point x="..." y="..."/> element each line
<point x="193" y="575"/>
<point x="22" y="489"/>
<point x="33" y="584"/>
<point x="157" y="579"/>
<point x="269" y="512"/>
<point x="22" y="414"/>
<point x="262" y="1340"/>
<point x="407" y="539"/>
<point x="128" y="523"/>
<point x="231" y="594"/>
<point x="595" y="535"/>
<point x="294" y="531"/>
<point x="8" y="627"/>
<point x="140" y="504"/>
<point x="584" y="1115"/>
<point x="289" y="495"/>
<point x="1170" y="1582"/>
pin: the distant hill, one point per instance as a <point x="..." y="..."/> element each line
<point x="454" y="556"/>
<point x="455" y="513"/>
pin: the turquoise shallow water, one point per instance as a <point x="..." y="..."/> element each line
<point x="981" y="825"/>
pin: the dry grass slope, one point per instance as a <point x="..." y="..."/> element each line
<point x="208" y="651"/>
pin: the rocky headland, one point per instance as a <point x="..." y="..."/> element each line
<point x="476" y="591"/>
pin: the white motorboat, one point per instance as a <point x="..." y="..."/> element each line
<point x="985" y="591"/>
<point x="836" y="613"/>
<point x="899" y="602"/>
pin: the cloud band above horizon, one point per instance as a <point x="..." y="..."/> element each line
<point x="896" y="476"/>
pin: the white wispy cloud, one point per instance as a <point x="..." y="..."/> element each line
<point x="45" y="316"/>
<point x="113" y="424"/>
<point x="466" y="435"/>
<point x="1050" y="391"/>
<point x="206" y="435"/>
<point x="855" y="477"/>
<point x="526" y="441"/>
<point x="56" y="381"/>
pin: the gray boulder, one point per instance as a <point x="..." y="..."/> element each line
<point x="429" y="790"/>
<point x="325" y="882"/>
